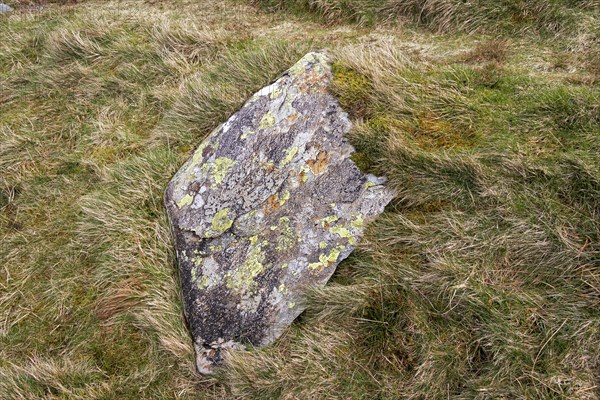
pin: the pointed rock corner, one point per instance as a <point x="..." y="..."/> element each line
<point x="267" y="206"/>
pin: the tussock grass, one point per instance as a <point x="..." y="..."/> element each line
<point x="480" y="281"/>
<point x="445" y="15"/>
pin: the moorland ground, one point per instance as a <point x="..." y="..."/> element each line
<point x="480" y="281"/>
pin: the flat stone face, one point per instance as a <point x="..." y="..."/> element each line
<point x="266" y="207"/>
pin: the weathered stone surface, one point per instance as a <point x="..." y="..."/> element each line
<point x="267" y="206"/>
<point x="4" y="8"/>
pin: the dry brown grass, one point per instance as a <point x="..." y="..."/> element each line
<point x="480" y="281"/>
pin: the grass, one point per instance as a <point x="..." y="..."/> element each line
<point x="480" y="281"/>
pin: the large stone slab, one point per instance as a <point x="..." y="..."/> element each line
<point x="265" y="208"/>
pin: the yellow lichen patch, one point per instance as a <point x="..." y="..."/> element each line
<point x="214" y="248"/>
<point x="325" y="222"/>
<point x="285" y="196"/>
<point x="315" y="266"/>
<point x="298" y="68"/>
<point x="246" y="134"/>
<point x="325" y="260"/>
<point x="243" y="277"/>
<point x="330" y="259"/>
<point x="198" y="156"/>
<point x="203" y="282"/>
<point x="220" y="168"/>
<point x="289" y="154"/>
<point x="282" y="289"/>
<point x="344" y="233"/>
<point x="322" y="245"/>
<point x="185" y="200"/>
<point x="267" y="121"/>
<point x="287" y="237"/>
<point x="358" y="222"/>
<point x="319" y="164"/>
<point x="221" y="222"/>
<point x="276" y="93"/>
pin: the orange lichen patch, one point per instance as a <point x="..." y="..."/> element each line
<point x="312" y="82"/>
<point x="272" y="203"/>
<point x="301" y="177"/>
<point x="267" y="166"/>
<point x="292" y="118"/>
<point x="318" y="166"/>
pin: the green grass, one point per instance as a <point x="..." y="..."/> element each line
<point x="481" y="279"/>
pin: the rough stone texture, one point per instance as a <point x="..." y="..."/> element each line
<point x="267" y="206"/>
<point x="5" y="8"/>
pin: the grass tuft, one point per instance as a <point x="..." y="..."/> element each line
<point x="479" y="281"/>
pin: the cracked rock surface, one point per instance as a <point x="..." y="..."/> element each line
<point x="266" y="207"/>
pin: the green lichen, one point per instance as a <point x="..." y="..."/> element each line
<point x="322" y="245"/>
<point x="220" y="168"/>
<point x="185" y="200"/>
<point x="267" y="121"/>
<point x="221" y="222"/>
<point x="289" y="155"/>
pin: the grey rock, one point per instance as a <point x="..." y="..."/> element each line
<point x="265" y="208"/>
<point x="4" y="8"/>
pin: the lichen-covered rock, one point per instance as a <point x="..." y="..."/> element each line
<point x="266" y="207"/>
